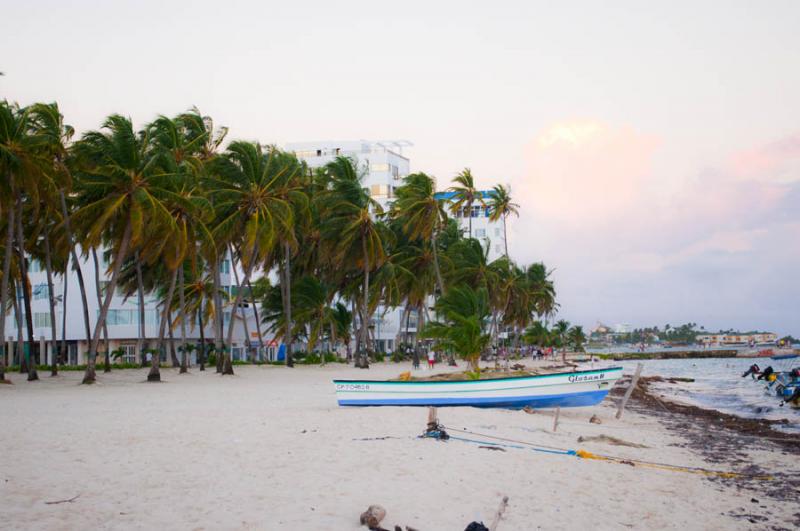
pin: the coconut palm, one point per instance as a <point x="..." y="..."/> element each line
<point x="560" y="331"/>
<point x="465" y="195"/>
<point x="120" y="193"/>
<point x="464" y="314"/>
<point x="355" y="237"/>
<point x="420" y="214"/>
<point x="252" y="207"/>
<point x="576" y="338"/>
<point x="500" y="207"/>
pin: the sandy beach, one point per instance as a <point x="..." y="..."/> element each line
<point x="269" y="448"/>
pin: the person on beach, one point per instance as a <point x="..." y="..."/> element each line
<point x="415" y="359"/>
<point x="431" y="359"/>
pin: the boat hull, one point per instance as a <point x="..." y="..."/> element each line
<point x="573" y="389"/>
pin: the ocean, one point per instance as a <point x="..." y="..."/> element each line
<point x="719" y="385"/>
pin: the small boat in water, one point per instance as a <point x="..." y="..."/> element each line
<point x="566" y="389"/>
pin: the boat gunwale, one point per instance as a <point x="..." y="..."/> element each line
<point x="428" y="382"/>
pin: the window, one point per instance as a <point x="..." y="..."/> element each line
<point x="476" y="211"/>
<point x="41" y="320"/>
<point x="128" y="353"/>
<point x="497" y="231"/>
<point x="379" y="167"/>
<point x="41" y="291"/>
<point x="480" y="233"/>
<point x="225" y="267"/>
<point x="34" y="266"/>
<point x="379" y="190"/>
<point x="118" y="317"/>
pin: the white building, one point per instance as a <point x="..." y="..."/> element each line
<point x="122" y="321"/>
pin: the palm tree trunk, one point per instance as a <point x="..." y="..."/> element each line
<point x="107" y="367"/>
<point x="173" y="358"/>
<point x="354" y="308"/>
<point x="217" y="315"/>
<point x="202" y="353"/>
<point x="469" y="213"/>
<point x="89" y="376"/>
<point x="439" y="282"/>
<point x="142" y="332"/>
<point x="399" y="334"/>
<point x="182" y="317"/>
<point x="62" y="353"/>
<point x="241" y="310"/>
<point x="23" y="366"/>
<point x="255" y="316"/>
<point x="26" y="292"/>
<point x="4" y="288"/>
<point x="155" y="374"/>
<point x="52" y="300"/>
<point x="287" y="303"/>
<point x="76" y="265"/>
<point x="228" y="368"/>
<point x="365" y="310"/>
<point x="505" y="236"/>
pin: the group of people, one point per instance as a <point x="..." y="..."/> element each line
<point x="431" y="356"/>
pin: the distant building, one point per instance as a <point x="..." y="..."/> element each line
<point x="623" y="328"/>
<point x="382" y="162"/>
<point x="737" y="338"/>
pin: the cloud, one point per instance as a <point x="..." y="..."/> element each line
<point x="621" y="230"/>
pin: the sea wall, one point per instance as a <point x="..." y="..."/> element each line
<point x="668" y="354"/>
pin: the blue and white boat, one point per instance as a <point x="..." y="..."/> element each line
<point x="566" y="389"/>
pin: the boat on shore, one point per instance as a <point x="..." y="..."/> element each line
<point x="565" y="389"/>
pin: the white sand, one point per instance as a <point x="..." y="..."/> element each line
<point x="270" y="449"/>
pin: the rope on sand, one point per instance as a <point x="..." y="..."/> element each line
<point x="583" y="454"/>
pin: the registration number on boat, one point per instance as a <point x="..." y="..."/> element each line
<point x="352" y="387"/>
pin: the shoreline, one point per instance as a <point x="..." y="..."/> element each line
<point x="725" y="439"/>
<point x="269" y="448"/>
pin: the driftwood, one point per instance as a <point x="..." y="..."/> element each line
<point x="610" y="440"/>
<point x="499" y="514"/>
<point x="595" y="420"/>
<point x="372" y="516"/>
<point x="63" y="501"/>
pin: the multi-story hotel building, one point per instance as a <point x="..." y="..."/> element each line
<point x="122" y="321"/>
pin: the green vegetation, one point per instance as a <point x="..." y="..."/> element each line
<point x="169" y="209"/>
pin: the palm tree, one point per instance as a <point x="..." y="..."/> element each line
<point x="120" y="193"/>
<point x="465" y="195"/>
<point x="500" y="207"/>
<point x="54" y="136"/>
<point x="252" y="205"/>
<point x="576" y="338"/>
<point x="560" y="331"/>
<point x="421" y="214"/>
<point x="465" y="312"/>
<point x="353" y="234"/>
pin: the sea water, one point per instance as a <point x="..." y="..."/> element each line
<point x="718" y="384"/>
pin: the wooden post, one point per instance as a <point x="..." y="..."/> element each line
<point x="555" y="420"/>
<point x="629" y="392"/>
<point x="433" y="421"/>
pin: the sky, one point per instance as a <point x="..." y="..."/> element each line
<point x="654" y="147"/>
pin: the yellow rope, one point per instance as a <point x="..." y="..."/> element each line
<point x="692" y="470"/>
